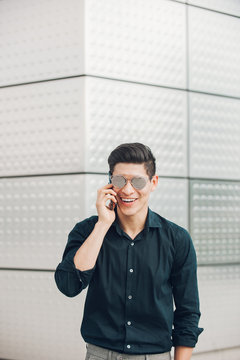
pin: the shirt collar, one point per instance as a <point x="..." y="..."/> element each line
<point x="153" y="221"/>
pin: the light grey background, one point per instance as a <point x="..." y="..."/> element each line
<point x="79" y="77"/>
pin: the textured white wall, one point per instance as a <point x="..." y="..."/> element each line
<point x="79" y="77"/>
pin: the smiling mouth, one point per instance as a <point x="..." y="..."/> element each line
<point x="127" y="201"/>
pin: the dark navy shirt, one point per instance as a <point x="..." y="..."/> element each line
<point x="143" y="295"/>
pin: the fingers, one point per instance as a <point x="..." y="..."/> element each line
<point x="110" y="197"/>
<point x="106" y="198"/>
<point x="104" y="195"/>
<point x="106" y="203"/>
<point x="107" y="190"/>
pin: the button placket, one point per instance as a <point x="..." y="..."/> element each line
<point x="129" y="293"/>
<point x="130" y="270"/>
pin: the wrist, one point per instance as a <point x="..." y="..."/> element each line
<point x="182" y="353"/>
<point x="102" y="226"/>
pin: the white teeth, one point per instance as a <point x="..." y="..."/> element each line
<point x="128" y="200"/>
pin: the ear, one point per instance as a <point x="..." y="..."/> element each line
<point x="154" y="182"/>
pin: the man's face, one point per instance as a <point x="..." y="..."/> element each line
<point x="132" y="201"/>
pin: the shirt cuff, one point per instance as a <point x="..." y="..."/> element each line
<point x="68" y="266"/>
<point x="186" y="337"/>
<point x="84" y="276"/>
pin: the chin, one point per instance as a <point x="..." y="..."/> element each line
<point x="130" y="211"/>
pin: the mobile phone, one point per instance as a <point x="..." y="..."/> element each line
<point x="111" y="204"/>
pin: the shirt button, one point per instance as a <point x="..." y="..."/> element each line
<point x="129" y="346"/>
<point x="130" y="297"/>
<point x="129" y="322"/>
<point x="131" y="270"/>
<point x="132" y="243"/>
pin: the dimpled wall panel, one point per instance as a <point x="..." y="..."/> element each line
<point x="136" y="40"/>
<point x="41" y="127"/>
<point x="169" y="199"/>
<point x="46" y="126"/>
<point x="118" y="112"/>
<point x="219" y="300"/>
<point x="37" y="321"/>
<point x="214" y="52"/>
<point x="214" y="139"/>
<point x="36" y="214"/>
<point x="215" y="221"/>
<point x="40" y="40"/>
<point x="229" y="6"/>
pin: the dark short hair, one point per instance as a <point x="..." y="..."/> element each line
<point x="133" y="153"/>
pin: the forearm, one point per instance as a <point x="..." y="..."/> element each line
<point x="182" y="353"/>
<point x="86" y="256"/>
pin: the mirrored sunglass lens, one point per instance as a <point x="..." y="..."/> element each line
<point x="138" y="182"/>
<point x="118" y="181"/>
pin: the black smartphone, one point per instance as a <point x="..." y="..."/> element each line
<point x="111" y="204"/>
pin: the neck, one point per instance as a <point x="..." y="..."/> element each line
<point x="132" y="225"/>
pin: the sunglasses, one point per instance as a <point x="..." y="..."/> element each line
<point x="119" y="181"/>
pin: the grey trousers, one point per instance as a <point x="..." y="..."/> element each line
<point x="98" y="353"/>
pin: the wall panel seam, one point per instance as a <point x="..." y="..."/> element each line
<point x="104" y="173"/>
<point x="213" y="10"/>
<point x="125" y="81"/>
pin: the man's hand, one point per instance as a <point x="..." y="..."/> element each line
<point x="86" y="256"/>
<point x="105" y="214"/>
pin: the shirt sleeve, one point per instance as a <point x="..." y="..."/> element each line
<point x="69" y="280"/>
<point x="185" y="292"/>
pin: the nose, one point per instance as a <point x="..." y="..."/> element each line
<point x="128" y="189"/>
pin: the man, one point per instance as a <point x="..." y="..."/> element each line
<point x="135" y="263"/>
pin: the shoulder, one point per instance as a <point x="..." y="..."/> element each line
<point x="177" y="234"/>
<point x="157" y="220"/>
<point x="87" y="223"/>
<point x="180" y="241"/>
